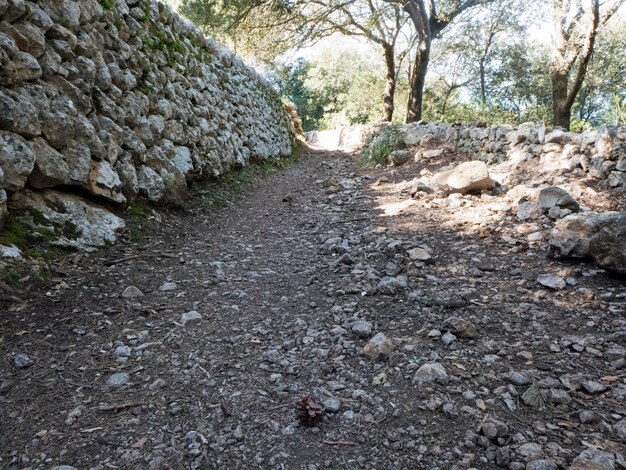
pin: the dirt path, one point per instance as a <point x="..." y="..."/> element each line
<point x="287" y="281"/>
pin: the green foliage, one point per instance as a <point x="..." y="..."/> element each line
<point x="161" y="42"/>
<point x="337" y="88"/>
<point x="137" y="212"/>
<point x="16" y="232"/>
<point x="487" y="67"/>
<point x="254" y="28"/>
<point x="31" y="230"/>
<point x="390" y="139"/>
<point x="107" y="4"/>
<point x="10" y="277"/>
<point x="603" y="95"/>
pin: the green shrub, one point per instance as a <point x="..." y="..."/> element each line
<point x="391" y="138"/>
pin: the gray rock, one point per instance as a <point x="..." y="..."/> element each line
<point x="50" y="167"/>
<point x="448" y="338"/>
<point x="189" y="317"/>
<point x="398" y="157"/>
<point x="419" y="254"/>
<point x="528" y="211"/>
<point x="493" y="428"/>
<point x="551" y="281"/>
<point x="392" y="285"/>
<point x="105" y="182"/>
<point x="379" y="347"/>
<point x="530" y="450"/>
<point x="14" y="10"/>
<point x="558" y="396"/>
<point x="557" y="136"/>
<point x="420" y="186"/>
<point x="541" y="464"/>
<point x="516" y="378"/>
<point x="27" y="67"/>
<point x="118" y="379"/>
<point x="467" y="177"/>
<point x="427" y="154"/>
<point x="123" y="351"/>
<point x="593" y="459"/>
<point x="594" y="387"/>
<point x="17" y="160"/>
<point x="18" y="115"/>
<point x="588" y="417"/>
<point x="182" y="160"/>
<point x="608" y="245"/>
<point x="78" y="158"/>
<point x="22" y="361"/>
<point x="65" y="12"/>
<point x="431" y="373"/>
<point x="332" y="404"/>
<point x="362" y="328"/>
<point x="460" y="327"/>
<point x="150" y="184"/>
<point x="10" y="252"/>
<point x="619" y="429"/>
<point x="591" y="234"/>
<point x="132" y="292"/>
<point x="553" y="196"/>
<point x="167" y="286"/>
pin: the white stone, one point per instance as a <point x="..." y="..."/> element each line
<point x="11" y="252"/>
<point x="191" y="316"/>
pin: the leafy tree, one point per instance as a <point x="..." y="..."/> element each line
<point x="289" y="79"/>
<point x="576" y="25"/>
<point x="267" y="28"/>
<point x="520" y="86"/>
<point x="335" y="88"/>
<point x="262" y="29"/>
<point x="603" y="94"/>
<point x="430" y="18"/>
<point x="347" y="86"/>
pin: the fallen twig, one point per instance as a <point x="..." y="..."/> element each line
<point x="119" y="406"/>
<point x="339" y="443"/>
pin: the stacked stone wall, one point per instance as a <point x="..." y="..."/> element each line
<point x="119" y="99"/>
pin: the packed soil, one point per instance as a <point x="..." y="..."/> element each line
<point x="240" y="312"/>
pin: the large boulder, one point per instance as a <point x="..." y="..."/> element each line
<point x="551" y="196"/>
<point x="601" y="236"/>
<point x="468" y="177"/>
<point x="74" y="222"/>
<point x="608" y="245"/>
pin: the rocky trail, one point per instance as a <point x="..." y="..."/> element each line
<point x="419" y="325"/>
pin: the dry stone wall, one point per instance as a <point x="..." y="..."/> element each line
<point x="118" y="99"/>
<point x="599" y="153"/>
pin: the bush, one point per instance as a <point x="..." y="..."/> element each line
<point x="391" y="138"/>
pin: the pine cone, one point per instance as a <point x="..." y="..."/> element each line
<point x="309" y="413"/>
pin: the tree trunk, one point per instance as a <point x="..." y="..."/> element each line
<point x="390" y="87"/>
<point x="561" y="109"/>
<point x="418" y="79"/>
<point x="483" y="86"/>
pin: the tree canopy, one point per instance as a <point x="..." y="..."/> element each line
<point x="471" y="60"/>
